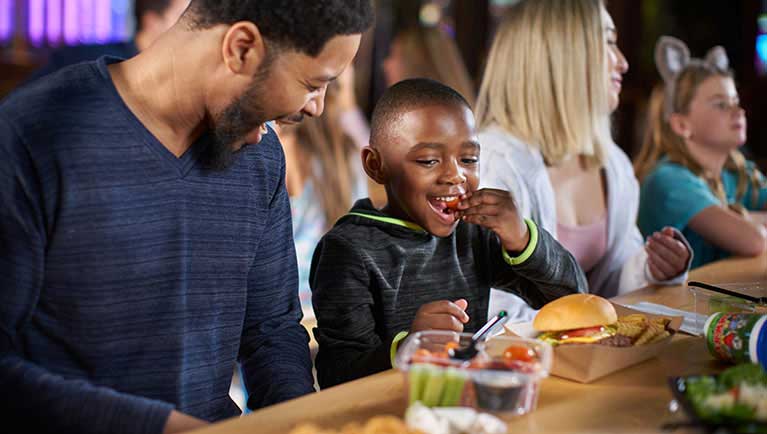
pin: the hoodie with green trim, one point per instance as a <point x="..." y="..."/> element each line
<point x="369" y="278"/>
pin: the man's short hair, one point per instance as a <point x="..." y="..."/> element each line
<point x="301" y="25"/>
<point x="409" y="95"/>
<point x="142" y="7"/>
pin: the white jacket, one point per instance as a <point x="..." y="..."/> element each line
<point x="507" y="163"/>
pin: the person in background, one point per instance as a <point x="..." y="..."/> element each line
<point x="145" y="230"/>
<point x="153" y="18"/>
<point x="324" y="173"/>
<point x="693" y="175"/>
<point x="428" y="52"/>
<point x="553" y="78"/>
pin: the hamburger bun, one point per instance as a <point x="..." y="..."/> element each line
<point x="574" y="312"/>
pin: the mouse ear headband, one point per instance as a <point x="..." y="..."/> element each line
<point x="671" y="58"/>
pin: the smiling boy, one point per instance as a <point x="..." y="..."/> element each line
<point x="424" y="262"/>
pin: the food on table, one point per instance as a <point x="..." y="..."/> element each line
<point x="375" y="425"/>
<point x="519" y="352"/>
<point x="419" y="419"/>
<point x="501" y="392"/>
<point x="739" y="394"/>
<point x="590" y="319"/>
<point x="502" y="377"/>
<point x="452" y="420"/>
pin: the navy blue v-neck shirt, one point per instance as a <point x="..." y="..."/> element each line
<point x="132" y="280"/>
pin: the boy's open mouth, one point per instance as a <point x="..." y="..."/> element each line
<point x="444" y="207"/>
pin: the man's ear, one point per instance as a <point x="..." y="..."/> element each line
<point x="373" y="164"/>
<point x="679" y="125"/>
<point x="243" y="48"/>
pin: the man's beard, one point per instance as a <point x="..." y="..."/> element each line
<point x="235" y="122"/>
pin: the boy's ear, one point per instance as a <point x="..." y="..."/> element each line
<point x="373" y="164"/>
<point x="679" y="125"/>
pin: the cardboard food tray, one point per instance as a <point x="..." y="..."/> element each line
<point x="585" y="363"/>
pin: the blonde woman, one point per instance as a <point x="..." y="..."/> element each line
<point x="693" y="176"/>
<point x="553" y="77"/>
<point x="428" y="52"/>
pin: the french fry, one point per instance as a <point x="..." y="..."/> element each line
<point x="650" y="332"/>
<point x="632" y="330"/>
<point x="664" y="334"/>
<point x="633" y="318"/>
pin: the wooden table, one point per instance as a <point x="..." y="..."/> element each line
<point x="633" y="400"/>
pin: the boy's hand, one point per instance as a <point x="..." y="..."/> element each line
<point x="495" y="210"/>
<point x="441" y="315"/>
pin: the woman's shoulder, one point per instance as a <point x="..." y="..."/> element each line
<point x="498" y="145"/>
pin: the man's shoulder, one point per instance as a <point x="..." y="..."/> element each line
<point x="73" y="54"/>
<point x="54" y="98"/>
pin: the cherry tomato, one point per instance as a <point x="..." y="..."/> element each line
<point x="421" y="356"/>
<point x="451" y="346"/>
<point x="453" y="204"/>
<point x="515" y="352"/>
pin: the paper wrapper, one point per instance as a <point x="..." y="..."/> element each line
<point x="585" y="363"/>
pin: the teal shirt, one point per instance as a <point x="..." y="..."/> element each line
<point x="672" y="195"/>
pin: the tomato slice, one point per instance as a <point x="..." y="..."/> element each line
<point x="584" y="332"/>
<point x="516" y="352"/>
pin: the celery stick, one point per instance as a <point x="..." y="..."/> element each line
<point x="434" y="386"/>
<point x="417" y="377"/>
<point x="455" y="380"/>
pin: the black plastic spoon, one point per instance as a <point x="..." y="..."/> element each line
<point x="470" y="350"/>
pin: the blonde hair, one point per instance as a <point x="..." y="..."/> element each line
<point x="546" y="79"/>
<point x="661" y="141"/>
<point x="430" y="53"/>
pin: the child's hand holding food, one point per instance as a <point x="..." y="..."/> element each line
<point x="496" y="210"/>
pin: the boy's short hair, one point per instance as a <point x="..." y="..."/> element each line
<point x="408" y="95"/>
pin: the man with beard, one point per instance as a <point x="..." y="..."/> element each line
<point x="145" y="234"/>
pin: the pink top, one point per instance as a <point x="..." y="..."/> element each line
<point x="588" y="243"/>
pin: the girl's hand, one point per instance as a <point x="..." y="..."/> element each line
<point x="667" y="257"/>
<point x="496" y="210"/>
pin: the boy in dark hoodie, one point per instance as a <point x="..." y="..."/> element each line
<point x="428" y="259"/>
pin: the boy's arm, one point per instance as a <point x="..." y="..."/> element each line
<point x="540" y="273"/>
<point x="350" y="342"/>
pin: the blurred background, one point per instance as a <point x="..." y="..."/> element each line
<point x="31" y="29"/>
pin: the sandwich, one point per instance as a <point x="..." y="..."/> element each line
<point x="579" y="319"/>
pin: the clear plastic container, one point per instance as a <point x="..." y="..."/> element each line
<point x="709" y="302"/>
<point x="504" y="376"/>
